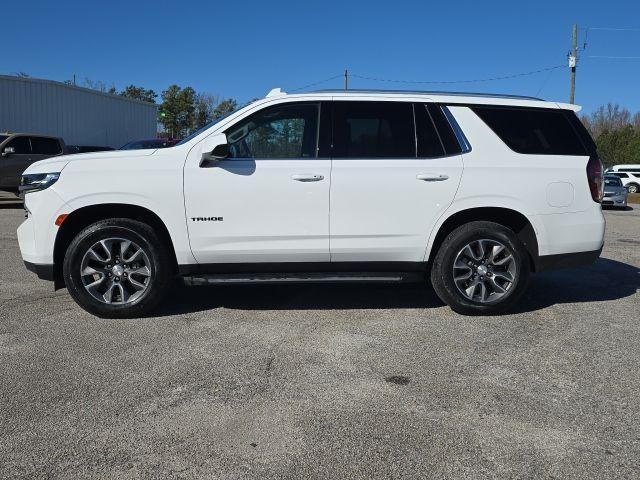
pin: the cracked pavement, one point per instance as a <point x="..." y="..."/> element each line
<point x="342" y="381"/>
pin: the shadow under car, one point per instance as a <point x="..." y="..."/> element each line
<point x="604" y="280"/>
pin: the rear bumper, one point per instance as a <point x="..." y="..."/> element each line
<point x="43" y="271"/>
<point x="566" y="233"/>
<point x="567" y="260"/>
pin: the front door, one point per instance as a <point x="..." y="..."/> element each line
<point x="13" y="164"/>
<point x="269" y="200"/>
<point x="392" y="177"/>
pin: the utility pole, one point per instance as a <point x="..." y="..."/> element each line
<point x="346" y="80"/>
<point x="573" y="60"/>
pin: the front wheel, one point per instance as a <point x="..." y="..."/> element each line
<point x="481" y="268"/>
<point x="117" y="268"/>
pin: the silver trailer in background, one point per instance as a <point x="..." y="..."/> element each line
<point x="80" y="116"/>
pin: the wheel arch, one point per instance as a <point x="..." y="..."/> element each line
<point x="82" y="217"/>
<point x="508" y="217"/>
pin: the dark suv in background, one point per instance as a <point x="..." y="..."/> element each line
<point x="19" y="150"/>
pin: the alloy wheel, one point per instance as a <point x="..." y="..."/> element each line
<point x="116" y="271"/>
<point x="485" y="270"/>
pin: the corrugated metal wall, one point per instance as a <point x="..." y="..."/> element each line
<point x="79" y="116"/>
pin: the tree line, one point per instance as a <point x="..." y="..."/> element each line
<point x="183" y="110"/>
<point x="616" y="133"/>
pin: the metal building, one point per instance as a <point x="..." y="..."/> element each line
<point x="80" y="116"/>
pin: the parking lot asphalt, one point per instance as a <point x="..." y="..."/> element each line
<point x="325" y="381"/>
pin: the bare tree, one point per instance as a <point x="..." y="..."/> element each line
<point x="607" y="118"/>
<point x="99" y="85"/>
<point x="205" y="107"/>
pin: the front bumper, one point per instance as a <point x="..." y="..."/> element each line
<point x="37" y="234"/>
<point x="615" y="201"/>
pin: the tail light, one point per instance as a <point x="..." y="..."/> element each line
<point x="595" y="177"/>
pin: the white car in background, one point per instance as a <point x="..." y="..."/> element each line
<point x="471" y="191"/>
<point x="628" y="174"/>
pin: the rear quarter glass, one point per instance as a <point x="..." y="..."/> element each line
<point x="534" y="131"/>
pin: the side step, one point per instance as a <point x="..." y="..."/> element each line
<point x="329" y="277"/>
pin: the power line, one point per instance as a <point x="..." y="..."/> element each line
<point x="504" y="77"/>
<point x="432" y="82"/>
<point x="544" y="83"/>
<point x="606" y="29"/>
<point x="615" y="29"/>
<point x="613" y="56"/>
<point x="316" y="83"/>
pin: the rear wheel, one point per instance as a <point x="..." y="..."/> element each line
<point x="633" y="188"/>
<point x="480" y="268"/>
<point x="117" y="268"/>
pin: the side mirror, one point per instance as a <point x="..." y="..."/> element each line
<point x="214" y="149"/>
<point x="220" y="151"/>
<point x="8" y="151"/>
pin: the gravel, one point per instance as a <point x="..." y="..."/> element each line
<point x="353" y="381"/>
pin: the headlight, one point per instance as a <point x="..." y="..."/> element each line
<point x="37" y="181"/>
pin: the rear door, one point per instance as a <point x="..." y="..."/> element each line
<point x="392" y="176"/>
<point x="13" y="164"/>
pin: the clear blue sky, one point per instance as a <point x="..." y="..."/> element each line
<point x="242" y="49"/>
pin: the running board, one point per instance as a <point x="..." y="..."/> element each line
<point x="330" y="277"/>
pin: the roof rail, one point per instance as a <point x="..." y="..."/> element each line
<point x="433" y="92"/>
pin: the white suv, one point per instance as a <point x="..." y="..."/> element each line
<point x="628" y="174"/>
<point x="471" y="191"/>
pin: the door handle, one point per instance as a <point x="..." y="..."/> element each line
<point x="307" y="177"/>
<point x="432" y="177"/>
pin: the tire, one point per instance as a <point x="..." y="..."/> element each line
<point x="118" y="289"/>
<point x="489" y="299"/>
<point x="633" y="188"/>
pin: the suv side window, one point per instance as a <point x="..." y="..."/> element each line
<point x="45" y="146"/>
<point x="427" y="138"/>
<point x="21" y="145"/>
<point x="283" y="131"/>
<point x="533" y="130"/>
<point x="373" y="130"/>
<point x="447" y="135"/>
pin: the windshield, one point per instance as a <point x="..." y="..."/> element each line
<point x="208" y="125"/>
<point x="3" y="138"/>
<point x="611" y="181"/>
